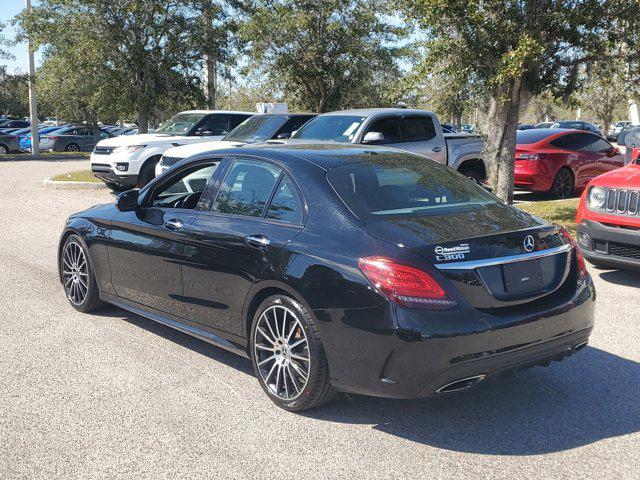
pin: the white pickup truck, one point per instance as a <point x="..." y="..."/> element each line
<point x="417" y="131"/>
<point x="129" y="160"/>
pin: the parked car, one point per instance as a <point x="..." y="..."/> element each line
<point x="559" y="162"/>
<point x="256" y="129"/>
<point x="525" y="126"/>
<point x="9" y="144"/>
<point x="128" y="160"/>
<point x="71" y="139"/>
<point x="25" y="139"/>
<point x="336" y="267"/>
<point x="609" y="218"/>
<point x="416" y="131"/>
<point x="545" y="124"/>
<point x="578" y="125"/>
<point x="11" y="123"/>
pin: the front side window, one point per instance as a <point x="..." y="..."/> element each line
<point x="246" y="188"/>
<point x="336" y="128"/>
<point x="186" y="189"/>
<point x="180" y="124"/>
<point x="418" y="129"/>
<point x="404" y="184"/>
<point x="285" y="205"/>
<point x="388" y="127"/>
<point x="600" y="146"/>
<point x="213" y="125"/>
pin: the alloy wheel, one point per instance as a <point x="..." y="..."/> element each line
<point x="72" y="148"/>
<point x="563" y="184"/>
<point x="3" y="150"/>
<point x="281" y="352"/>
<point x="75" y="273"/>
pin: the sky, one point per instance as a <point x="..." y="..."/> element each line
<point x="8" y="10"/>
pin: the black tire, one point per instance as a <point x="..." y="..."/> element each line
<point x="72" y="147"/>
<point x="4" y="150"/>
<point x="116" y="187"/>
<point x="148" y="171"/>
<point x="91" y="300"/>
<point x="562" y="186"/>
<point x="318" y="389"/>
<point x="474" y="173"/>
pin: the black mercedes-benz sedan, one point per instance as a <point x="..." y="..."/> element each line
<point x="336" y="268"/>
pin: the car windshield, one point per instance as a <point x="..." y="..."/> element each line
<point x="532" y="135"/>
<point x="181" y="124"/>
<point x="399" y="183"/>
<point x="337" y="128"/>
<point x="255" y="129"/>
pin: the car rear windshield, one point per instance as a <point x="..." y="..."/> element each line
<point x="337" y="128"/>
<point x="255" y="129"/>
<point x="403" y="184"/>
<point x="533" y="135"/>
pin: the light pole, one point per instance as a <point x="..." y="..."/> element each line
<point x="33" y="102"/>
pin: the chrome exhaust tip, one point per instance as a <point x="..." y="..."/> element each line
<point x="580" y="346"/>
<point x="461" y="384"/>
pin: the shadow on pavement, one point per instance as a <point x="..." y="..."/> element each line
<point x="627" y="278"/>
<point x="586" y="398"/>
<point x="589" y="397"/>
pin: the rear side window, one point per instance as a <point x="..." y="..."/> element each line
<point x="404" y="184"/>
<point x="246" y="188"/>
<point x="214" y="125"/>
<point x="293" y="124"/>
<point x="389" y="128"/>
<point x="533" y="135"/>
<point x="565" y="142"/>
<point x="285" y="205"/>
<point x="417" y="129"/>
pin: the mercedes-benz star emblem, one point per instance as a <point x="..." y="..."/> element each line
<point x="529" y="243"/>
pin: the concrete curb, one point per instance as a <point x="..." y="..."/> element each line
<point x="49" y="183"/>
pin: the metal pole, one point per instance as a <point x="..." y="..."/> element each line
<point x="33" y="102"/>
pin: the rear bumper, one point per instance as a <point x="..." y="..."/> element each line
<point x="534" y="182"/>
<point x="609" y="245"/>
<point x="452" y="346"/>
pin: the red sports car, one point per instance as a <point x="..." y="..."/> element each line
<point x="561" y="161"/>
<point x="609" y="218"/>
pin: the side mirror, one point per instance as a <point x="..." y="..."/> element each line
<point x="613" y="152"/>
<point x="127" y="201"/>
<point x="373" y="137"/>
<point x="282" y="136"/>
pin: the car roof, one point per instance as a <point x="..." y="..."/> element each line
<point x="326" y="155"/>
<point x="233" y="112"/>
<point x="365" y="112"/>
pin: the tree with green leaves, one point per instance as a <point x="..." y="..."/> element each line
<point x="326" y="54"/>
<point x="605" y="92"/>
<point x="133" y="54"/>
<point x="513" y="49"/>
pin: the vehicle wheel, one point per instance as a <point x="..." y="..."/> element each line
<point x="116" y="187"/>
<point x="4" y="150"/>
<point x="562" y="186"/>
<point x="148" y="171"/>
<point x="473" y="173"/>
<point x="78" y="278"/>
<point x="288" y="356"/>
<point x="72" y="147"/>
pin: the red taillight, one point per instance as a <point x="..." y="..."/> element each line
<point x="53" y="138"/>
<point x="14" y="138"/>
<point x="582" y="267"/>
<point x="405" y="285"/>
<point x="527" y="156"/>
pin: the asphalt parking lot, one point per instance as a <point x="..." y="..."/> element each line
<point x="114" y="395"/>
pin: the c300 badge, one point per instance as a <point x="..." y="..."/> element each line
<point x="459" y="252"/>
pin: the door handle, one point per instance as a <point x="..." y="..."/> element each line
<point x="173" y="224"/>
<point x="436" y="149"/>
<point x="257" y="241"/>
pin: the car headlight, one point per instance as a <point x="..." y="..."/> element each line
<point x="128" y="149"/>
<point x="597" y="198"/>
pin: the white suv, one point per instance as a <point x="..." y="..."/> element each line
<point x="127" y="161"/>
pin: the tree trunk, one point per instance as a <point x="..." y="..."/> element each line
<point x="211" y="79"/>
<point x="502" y="123"/>
<point x="143" y="121"/>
